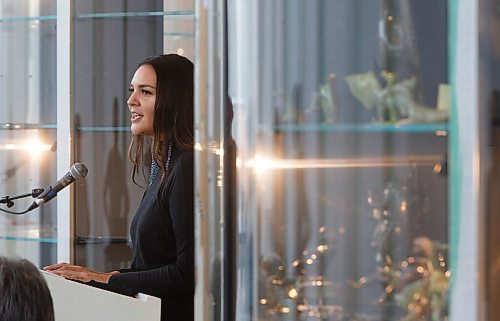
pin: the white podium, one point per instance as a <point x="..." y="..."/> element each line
<point x="79" y="302"/>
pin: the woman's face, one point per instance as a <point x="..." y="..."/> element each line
<point x="141" y="102"/>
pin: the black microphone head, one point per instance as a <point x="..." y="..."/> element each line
<point x="78" y="170"/>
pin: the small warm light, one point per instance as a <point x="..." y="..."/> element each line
<point x="442" y="133"/>
<point x="437" y="169"/>
<point x="442" y="264"/>
<point x="309" y="261"/>
<point x="313" y="256"/>
<point x="411" y="260"/>
<point x="180" y="51"/>
<point x="404" y="264"/>
<point x="285" y="310"/>
<point x="322" y="248"/>
<point x="420" y="269"/>
<point x="281" y="268"/>
<point x="387" y="268"/>
<point x="317" y="283"/>
<point x="263" y="301"/>
<point x="389" y="289"/>
<point x="322" y="229"/>
<point x="363" y="280"/>
<point x="293" y="293"/>
<point x="404" y="206"/>
<point x="296" y="263"/>
<point x="198" y="146"/>
<point x="390" y="18"/>
<point x="447" y="274"/>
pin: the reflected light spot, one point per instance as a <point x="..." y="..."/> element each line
<point x="198" y="146"/>
<point x="322" y="248"/>
<point x="293" y="293"/>
<point x="34" y="147"/>
<point x="180" y="51"/>
<point x="442" y="133"/>
<point x="285" y="310"/>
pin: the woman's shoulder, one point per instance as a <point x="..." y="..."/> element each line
<point x="185" y="157"/>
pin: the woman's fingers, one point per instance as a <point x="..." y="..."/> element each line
<point x="78" y="273"/>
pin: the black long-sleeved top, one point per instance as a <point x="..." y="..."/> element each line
<point x="162" y="233"/>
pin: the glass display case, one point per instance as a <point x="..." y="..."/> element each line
<point x="340" y="172"/>
<point x="80" y="102"/>
<point x="27" y="128"/>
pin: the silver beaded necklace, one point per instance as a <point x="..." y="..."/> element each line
<point x="155" y="167"/>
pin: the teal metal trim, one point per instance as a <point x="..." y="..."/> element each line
<point x="98" y="15"/>
<point x="29" y="239"/>
<point x="179" y="34"/>
<point x="104" y="129"/>
<point x="19" y="126"/>
<point x="364" y="128"/>
<point x="25" y="19"/>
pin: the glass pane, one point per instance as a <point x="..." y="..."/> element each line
<point x="341" y="126"/>
<point x="110" y="40"/>
<point x="112" y="6"/>
<point x="28" y="71"/>
<point x="27" y="128"/>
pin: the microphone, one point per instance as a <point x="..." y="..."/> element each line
<point x="77" y="171"/>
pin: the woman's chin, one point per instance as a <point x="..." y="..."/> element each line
<point x="138" y="130"/>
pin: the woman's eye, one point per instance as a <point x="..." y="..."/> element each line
<point x="146" y="92"/>
<point x="131" y="89"/>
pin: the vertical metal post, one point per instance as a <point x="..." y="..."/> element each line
<point x="65" y="127"/>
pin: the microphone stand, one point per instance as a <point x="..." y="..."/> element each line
<point x="9" y="201"/>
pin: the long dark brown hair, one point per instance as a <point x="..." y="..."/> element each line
<point x="173" y="111"/>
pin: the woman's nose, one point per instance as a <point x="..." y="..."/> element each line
<point x="131" y="100"/>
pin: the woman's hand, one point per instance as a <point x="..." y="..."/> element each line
<point x="79" y="273"/>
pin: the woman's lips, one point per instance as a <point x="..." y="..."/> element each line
<point x="135" y="117"/>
